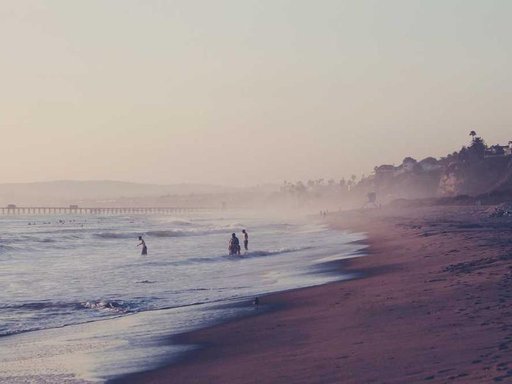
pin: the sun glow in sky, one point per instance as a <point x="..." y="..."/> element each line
<point x="242" y="91"/>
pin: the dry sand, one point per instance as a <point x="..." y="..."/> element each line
<point x="434" y="307"/>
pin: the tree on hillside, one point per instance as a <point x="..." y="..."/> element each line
<point x="472" y="134"/>
<point x="477" y="148"/>
<point x="409" y="163"/>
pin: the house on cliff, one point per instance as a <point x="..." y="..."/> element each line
<point x="499" y="150"/>
<point x="385" y="169"/>
<point x="430" y="164"/>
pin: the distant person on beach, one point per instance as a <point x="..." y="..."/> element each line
<point x="246" y="240"/>
<point x="144" y="247"/>
<point x="234" y="245"/>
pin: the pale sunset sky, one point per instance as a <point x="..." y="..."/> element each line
<point x="242" y="92"/>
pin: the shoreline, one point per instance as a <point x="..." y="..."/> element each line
<point x="431" y="307"/>
<point x="269" y="303"/>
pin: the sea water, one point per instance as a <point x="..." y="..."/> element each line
<point x="79" y="303"/>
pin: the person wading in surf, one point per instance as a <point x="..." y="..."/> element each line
<point x="246" y="240"/>
<point x="234" y="245"/>
<point x="144" y="247"/>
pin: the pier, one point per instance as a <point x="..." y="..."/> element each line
<point x="12" y="209"/>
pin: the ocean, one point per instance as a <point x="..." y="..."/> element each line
<point x="79" y="303"/>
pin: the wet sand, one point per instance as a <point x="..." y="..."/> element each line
<point x="434" y="305"/>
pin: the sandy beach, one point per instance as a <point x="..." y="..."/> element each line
<point x="432" y="304"/>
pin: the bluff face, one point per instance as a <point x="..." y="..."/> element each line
<point x="489" y="175"/>
<point x="475" y="170"/>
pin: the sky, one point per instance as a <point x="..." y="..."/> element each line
<point x="244" y="92"/>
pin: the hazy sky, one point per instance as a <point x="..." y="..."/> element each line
<point x="246" y="91"/>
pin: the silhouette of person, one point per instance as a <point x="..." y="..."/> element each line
<point x="144" y="247"/>
<point x="246" y="240"/>
<point x="234" y="245"/>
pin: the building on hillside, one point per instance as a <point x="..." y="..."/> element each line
<point x="499" y="150"/>
<point x="430" y="164"/>
<point x="384" y="169"/>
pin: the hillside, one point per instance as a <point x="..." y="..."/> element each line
<point x="479" y="171"/>
<point x="474" y="170"/>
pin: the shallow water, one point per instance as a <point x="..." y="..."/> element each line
<point x="85" y="273"/>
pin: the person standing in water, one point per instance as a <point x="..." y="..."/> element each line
<point x="234" y="245"/>
<point x="144" y="247"/>
<point x="246" y="240"/>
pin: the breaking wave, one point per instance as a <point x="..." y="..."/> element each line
<point x="118" y="306"/>
<point x="181" y="223"/>
<point x="218" y="258"/>
<point x="275" y="252"/>
<point x="14" y="315"/>
<point x="170" y="233"/>
<point x="166" y="233"/>
<point x="117" y="235"/>
<point x="110" y="305"/>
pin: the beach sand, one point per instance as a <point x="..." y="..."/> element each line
<point x="433" y="305"/>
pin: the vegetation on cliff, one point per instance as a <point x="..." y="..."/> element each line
<point x="474" y="170"/>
